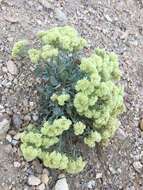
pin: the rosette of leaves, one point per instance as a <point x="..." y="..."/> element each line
<point x="79" y="98"/>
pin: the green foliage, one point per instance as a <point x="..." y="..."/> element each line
<point x="79" y="99"/>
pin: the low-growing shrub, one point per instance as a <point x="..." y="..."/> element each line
<point x="80" y="98"/>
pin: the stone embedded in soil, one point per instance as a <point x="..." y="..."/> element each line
<point x="12" y="67"/>
<point x="16" y="164"/>
<point x="41" y="187"/>
<point x="61" y="184"/>
<point x="27" y="118"/>
<point x="4" y="126"/>
<point x="16" y="119"/>
<point x="138" y="166"/>
<point x="37" y="166"/>
<point x="98" y="175"/>
<point x="121" y="134"/>
<point x="45" y="178"/>
<point x="33" y="180"/>
<point x="60" y="15"/>
<point x="45" y="4"/>
<point x="141" y="124"/>
<point x="8" y="138"/>
<point x="14" y="142"/>
<point x="91" y="184"/>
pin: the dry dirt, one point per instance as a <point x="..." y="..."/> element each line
<point x="115" y="25"/>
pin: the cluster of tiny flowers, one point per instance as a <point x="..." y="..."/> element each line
<point x="19" y="48"/>
<point x="45" y="53"/>
<point x="48" y="52"/>
<point x="35" y="145"/>
<point x="61" y="99"/>
<point x="65" y="38"/>
<point x="61" y="161"/>
<point x="29" y="152"/>
<point x="33" y="142"/>
<point x="56" y="128"/>
<point x="79" y="128"/>
<point x="75" y="166"/>
<point x="34" y="55"/>
<point x="97" y="97"/>
<point x="92" y="139"/>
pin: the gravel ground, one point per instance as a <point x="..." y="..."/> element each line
<point x="114" y="25"/>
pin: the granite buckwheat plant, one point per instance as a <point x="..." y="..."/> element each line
<point x="79" y="97"/>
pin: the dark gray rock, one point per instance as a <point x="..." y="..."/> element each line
<point x="16" y="120"/>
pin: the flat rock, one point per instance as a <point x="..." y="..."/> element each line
<point x="4" y="126"/>
<point x="12" y="67"/>
<point x="60" y="15"/>
<point x="33" y="180"/>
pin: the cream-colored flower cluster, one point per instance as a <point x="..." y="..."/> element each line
<point x="65" y="38"/>
<point x="56" y="128"/>
<point x="61" y="99"/>
<point x="36" y="144"/>
<point x="61" y="161"/>
<point x="97" y="97"/>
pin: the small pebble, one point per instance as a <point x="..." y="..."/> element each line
<point x="9" y="138"/>
<point x="45" y="178"/>
<point x="33" y="180"/>
<point x="17" y="164"/>
<point x="141" y="124"/>
<point x="12" y="67"/>
<point x="91" y="184"/>
<point x="98" y="175"/>
<point x="14" y="142"/>
<point x="138" y="166"/>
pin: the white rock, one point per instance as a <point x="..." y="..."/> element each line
<point x="12" y="67"/>
<point x="17" y="164"/>
<point x="4" y="126"/>
<point x="98" y="175"/>
<point x="33" y="180"/>
<point x="108" y="18"/>
<point x="91" y="184"/>
<point x="138" y="166"/>
<point x="41" y="187"/>
<point x="61" y="184"/>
